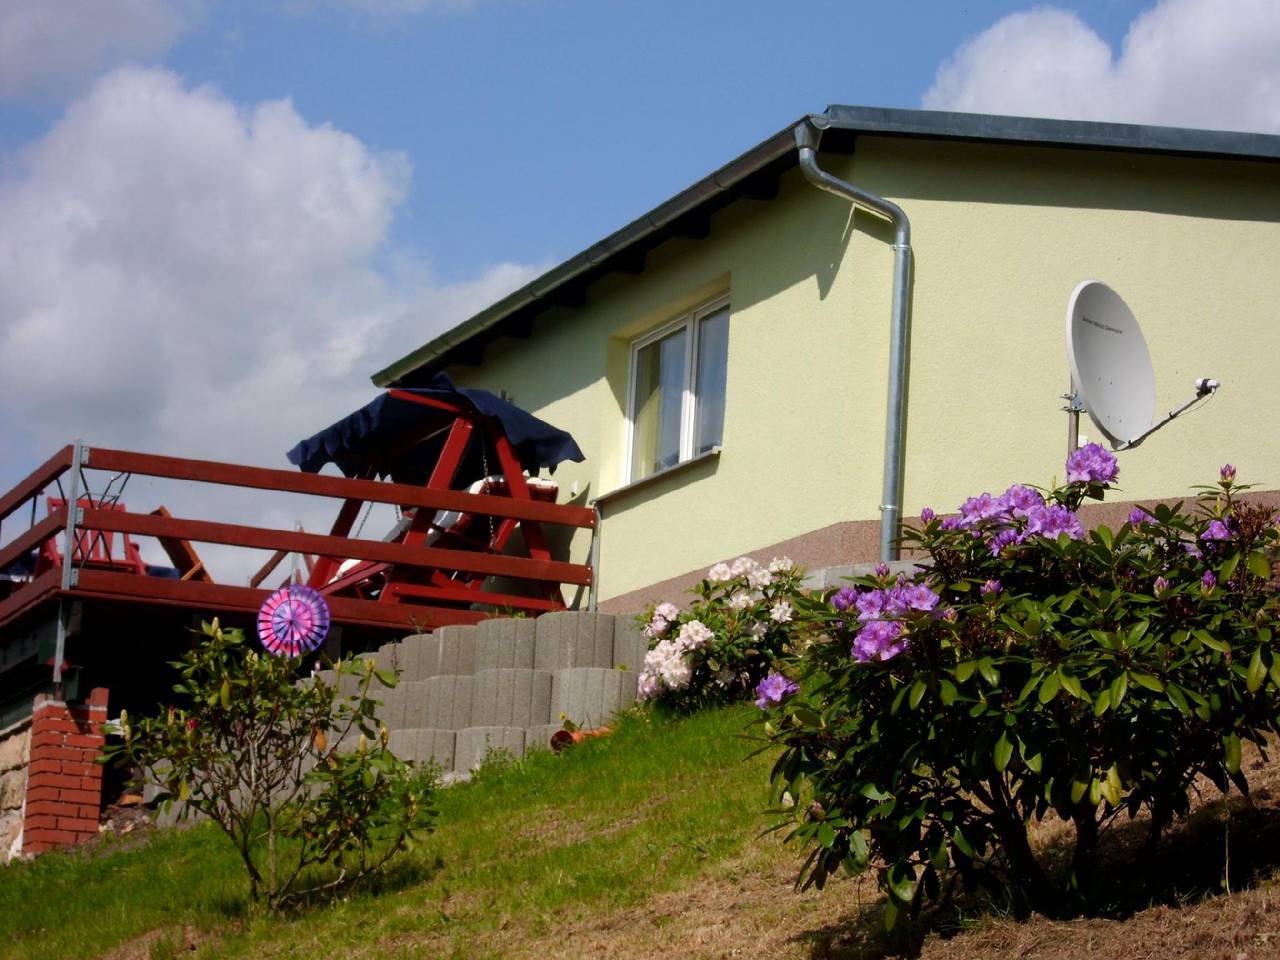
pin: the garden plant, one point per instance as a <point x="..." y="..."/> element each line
<point x="719" y="649"/>
<point x="295" y="773"/>
<point x="1029" y="668"/>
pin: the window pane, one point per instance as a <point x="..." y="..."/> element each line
<point x="658" y="401"/>
<point x="713" y="358"/>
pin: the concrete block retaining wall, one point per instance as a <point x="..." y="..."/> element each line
<point x="506" y="684"/>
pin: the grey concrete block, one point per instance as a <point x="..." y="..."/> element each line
<point x="449" y="702"/>
<point x="390" y="656"/>
<point x="629" y="644"/>
<point x="505" y="642"/>
<point x="474" y="742"/>
<point x="409" y="653"/>
<point x="449" y="652"/>
<point x="423" y="744"/>
<point x="574" y="639"/>
<point x="511" y="698"/>
<point x="417" y="703"/>
<point x="539" y="737"/>
<point x="390" y="709"/>
<point x="590" y="696"/>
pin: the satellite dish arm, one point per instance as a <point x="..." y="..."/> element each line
<point x="1205" y="388"/>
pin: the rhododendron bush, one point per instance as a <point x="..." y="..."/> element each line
<point x="720" y="649"/>
<point x="1027" y="669"/>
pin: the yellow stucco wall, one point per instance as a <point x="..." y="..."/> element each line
<point x="1001" y="236"/>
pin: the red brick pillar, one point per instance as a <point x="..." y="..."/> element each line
<point x="64" y="778"/>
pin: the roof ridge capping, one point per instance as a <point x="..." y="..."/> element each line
<point x="711" y="191"/>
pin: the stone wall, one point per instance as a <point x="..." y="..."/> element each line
<point x="505" y="684"/>
<point x="15" y="753"/>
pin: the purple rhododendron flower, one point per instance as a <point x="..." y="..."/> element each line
<point x="990" y="588"/>
<point x="882" y="569"/>
<point x="1208" y="581"/>
<point x="1091" y="464"/>
<point x="844" y="598"/>
<point x="773" y="690"/>
<point x="1217" y="530"/>
<point x="1161" y="585"/>
<point x="982" y="507"/>
<point x="1137" y="516"/>
<point x="916" y="596"/>
<point x="927" y="515"/>
<point x="1227" y="472"/>
<point x="951" y="523"/>
<point x="878" y="640"/>
<point x="1052" y="521"/>
<point x="1021" y="499"/>
<point x="870" y="604"/>
<point x="1003" y="539"/>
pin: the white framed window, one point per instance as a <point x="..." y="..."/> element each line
<point x="676" y="406"/>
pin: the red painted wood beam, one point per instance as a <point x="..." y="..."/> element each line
<point x="36" y="481"/>
<point x="406" y="495"/>
<point x="203" y="531"/>
<point x="28" y="540"/>
<point x="215" y="597"/>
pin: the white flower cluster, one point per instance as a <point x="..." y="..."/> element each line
<point x="667" y="666"/>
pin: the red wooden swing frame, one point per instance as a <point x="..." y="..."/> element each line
<point x="398" y="584"/>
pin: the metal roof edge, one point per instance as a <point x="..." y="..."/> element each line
<point x="882" y="121"/>
<point x="687" y="200"/>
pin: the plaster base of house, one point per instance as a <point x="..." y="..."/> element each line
<point x="841" y="549"/>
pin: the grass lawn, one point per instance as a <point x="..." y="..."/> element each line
<point x="535" y="846"/>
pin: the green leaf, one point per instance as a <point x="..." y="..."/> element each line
<point x="1275" y="672"/>
<point x="826" y="835"/>
<point x="1260" y="565"/>
<point x="947" y="692"/>
<point x="988" y="671"/>
<point x="1035" y="762"/>
<point x="1078" y="789"/>
<point x="224" y="694"/>
<point x="917" y="693"/>
<point x="1148" y="681"/>
<point x="1049" y="688"/>
<point x="1209" y="640"/>
<point x="1003" y="752"/>
<point x="1231" y="752"/>
<point x="965" y="670"/>
<point x="806" y="716"/>
<point x="1177" y="698"/>
<point x="1228" y="567"/>
<point x="1119" y="686"/>
<point x="1257" y="672"/>
<point x="902" y="882"/>
<point x="962" y="843"/>
<point x="1070" y="684"/>
<point x="1102" y="703"/>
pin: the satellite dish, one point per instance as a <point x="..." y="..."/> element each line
<point x="1110" y="365"/>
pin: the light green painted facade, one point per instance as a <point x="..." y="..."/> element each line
<point x="1001" y="235"/>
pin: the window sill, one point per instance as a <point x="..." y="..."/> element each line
<point x="626" y="488"/>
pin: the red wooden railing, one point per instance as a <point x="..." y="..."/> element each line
<point x="430" y="606"/>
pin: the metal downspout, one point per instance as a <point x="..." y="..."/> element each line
<point x="808" y="134"/>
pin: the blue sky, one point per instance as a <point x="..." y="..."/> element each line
<point x="217" y="219"/>
<point x="536" y="126"/>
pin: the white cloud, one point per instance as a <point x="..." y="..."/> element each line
<point x="181" y="275"/>
<point x="50" y="47"/>
<point x="1199" y="63"/>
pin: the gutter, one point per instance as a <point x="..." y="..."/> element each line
<point x="808" y="134"/>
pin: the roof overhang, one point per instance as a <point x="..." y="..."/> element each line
<point x="754" y="175"/>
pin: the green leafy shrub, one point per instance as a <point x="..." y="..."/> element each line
<point x="256" y="750"/>
<point x="1029" y="669"/>
<point x="718" y="649"/>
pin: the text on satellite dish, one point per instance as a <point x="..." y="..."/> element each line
<point x="1101" y="326"/>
